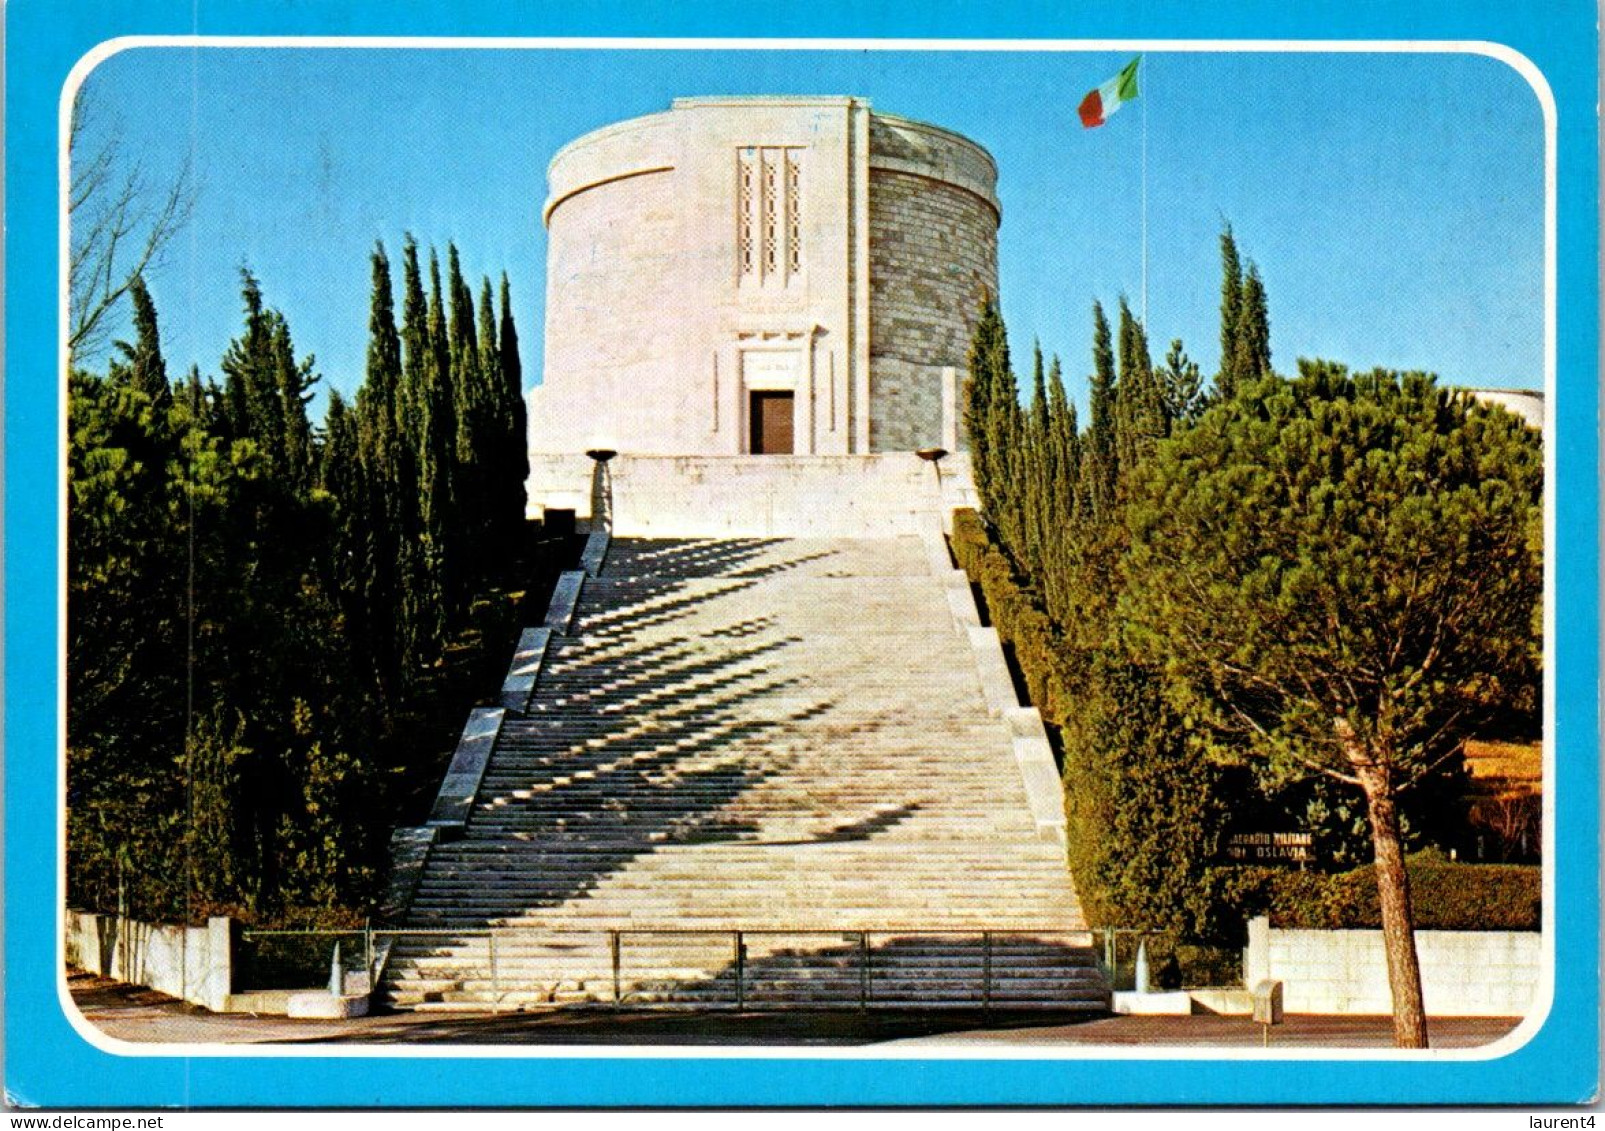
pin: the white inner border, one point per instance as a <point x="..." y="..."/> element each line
<point x="1514" y="1040"/>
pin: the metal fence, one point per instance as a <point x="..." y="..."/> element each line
<point x="729" y="968"/>
<point x="294" y="960"/>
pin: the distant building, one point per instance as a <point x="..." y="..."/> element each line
<point x="774" y="275"/>
<point x="1525" y="403"/>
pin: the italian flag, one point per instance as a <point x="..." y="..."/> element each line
<point x="1099" y="104"/>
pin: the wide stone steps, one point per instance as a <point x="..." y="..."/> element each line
<point x="669" y="559"/>
<point x="742" y="736"/>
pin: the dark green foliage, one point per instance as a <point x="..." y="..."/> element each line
<point x="1445" y="896"/>
<point x="1181" y="386"/>
<point x="239" y="589"/>
<point x="992" y="416"/>
<point x="1341" y="548"/>
<point x="1140" y="417"/>
<point x="385" y="510"/>
<point x="1099" y="459"/>
<point x="1338" y="576"/>
<point x="1013" y="610"/>
<point x="508" y="506"/>
<point x="1245" y="325"/>
<point x="1251" y="356"/>
<point x="1231" y="305"/>
<point x="1367" y="516"/>
<point x="147" y="369"/>
<point x="471" y="390"/>
<point x="1145" y="815"/>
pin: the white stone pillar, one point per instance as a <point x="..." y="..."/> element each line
<point x="1257" y="955"/>
<point x="950" y="408"/>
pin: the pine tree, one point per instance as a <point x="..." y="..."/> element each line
<point x="1286" y="553"/>
<point x="1181" y="385"/>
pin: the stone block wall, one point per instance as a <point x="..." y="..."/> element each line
<point x="932" y="260"/>
<point x="769" y="244"/>
<point x="1463" y="973"/>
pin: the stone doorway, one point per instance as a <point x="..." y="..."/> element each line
<point x="772" y="414"/>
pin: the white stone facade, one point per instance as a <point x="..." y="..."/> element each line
<point x="803" y="248"/>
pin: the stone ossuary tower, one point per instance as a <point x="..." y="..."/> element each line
<point x="761" y="752"/>
<point x="763" y="276"/>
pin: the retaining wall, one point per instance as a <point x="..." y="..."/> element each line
<point x="753" y="496"/>
<point x="190" y="963"/>
<point x="1463" y="973"/>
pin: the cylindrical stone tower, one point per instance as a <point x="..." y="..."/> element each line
<point x="762" y="275"/>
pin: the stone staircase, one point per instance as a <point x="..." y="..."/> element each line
<point x="755" y="773"/>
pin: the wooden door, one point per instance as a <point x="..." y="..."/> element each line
<point x="772" y="415"/>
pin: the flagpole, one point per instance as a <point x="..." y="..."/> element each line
<point x="1144" y="96"/>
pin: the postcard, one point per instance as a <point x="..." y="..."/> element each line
<point x="897" y="557"/>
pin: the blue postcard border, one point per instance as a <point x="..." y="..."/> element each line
<point x="49" y="1063"/>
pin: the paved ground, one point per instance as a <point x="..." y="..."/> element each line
<point x="131" y="1013"/>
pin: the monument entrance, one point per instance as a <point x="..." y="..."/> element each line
<point x="771" y="423"/>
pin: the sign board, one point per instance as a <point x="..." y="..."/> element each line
<point x="1271" y="848"/>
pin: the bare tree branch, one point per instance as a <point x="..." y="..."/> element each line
<point x="119" y="225"/>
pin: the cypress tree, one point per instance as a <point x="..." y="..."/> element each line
<point x="436" y="444"/>
<point x="147" y="369"/>
<point x="438" y="376"/>
<point x="416" y="350"/>
<point x="420" y="598"/>
<point x="340" y="475"/>
<point x="1252" y="359"/>
<point x="492" y="387"/>
<point x="1065" y="462"/>
<point x="256" y="410"/>
<point x="1065" y="441"/>
<point x="989" y="363"/>
<point x="1231" y="303"/>
<point x="386" y="477"/>
<point x="511" y="510"/>
<point x="1099" y="461"/>
<point x="466" y="530"/>
<point x="293" y="381"/>
<point x="1039" y="470"/>
<point x="1139" y="407"/>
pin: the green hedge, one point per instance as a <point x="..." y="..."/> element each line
<point x="1015" y="613"/>
<point x="1444" y="896"/>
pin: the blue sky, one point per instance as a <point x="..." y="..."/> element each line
<point x="1393" y="202"/>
